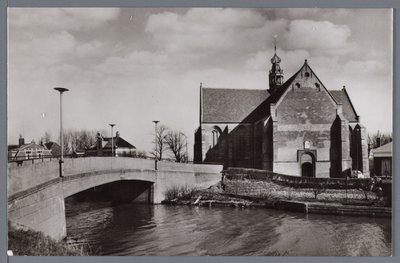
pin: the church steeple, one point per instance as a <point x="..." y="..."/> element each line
<point x="276" y="73"/>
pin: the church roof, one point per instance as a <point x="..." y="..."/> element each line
<point x="230" y="105"/>
<point x="263" y="110"/>
<point x="243" y="105"/>
<point x="341" y="96"/>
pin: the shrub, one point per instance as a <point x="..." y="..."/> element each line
<point x="24" y="241"/>
<point x="365" y="185"/>
<point x="179" y="192"/>
<point x="319" y="187"/>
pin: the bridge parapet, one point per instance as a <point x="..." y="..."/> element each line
<point x="21" y="178"/>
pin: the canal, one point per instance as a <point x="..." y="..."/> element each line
<point x="160" y="230"/>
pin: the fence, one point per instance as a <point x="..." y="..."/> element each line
<point x="294" y="181"/>
<point x="21" y="159"/>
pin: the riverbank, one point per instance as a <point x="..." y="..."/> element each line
<point x="253" y="193"/>
<point x="24" y="241"/>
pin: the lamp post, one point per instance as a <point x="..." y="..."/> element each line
<point x="61" y="90"/>
<point x="112" y="139"/>
<point x="155" y="134"/>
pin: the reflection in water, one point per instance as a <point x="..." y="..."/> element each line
<point x="137" y="229"/>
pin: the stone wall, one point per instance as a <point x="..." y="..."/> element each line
<point x="292" y="181"/>
<point x="42" y="210"/>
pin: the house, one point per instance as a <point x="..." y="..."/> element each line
<point x="382" y="157"/>
<point x="54" y="148"/>
<point x="27" y="151"/>
<point x="78" y="154"/>
<point x="103" y="146"/>
<point x="297" y="127"/>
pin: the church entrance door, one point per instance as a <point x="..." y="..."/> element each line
<point x="307" y="170"/>
<point x="307" y="165"/>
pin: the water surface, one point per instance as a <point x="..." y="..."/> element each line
<point x="160" y="230"/>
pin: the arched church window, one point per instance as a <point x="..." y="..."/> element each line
<point x="215" y="137"/>
<point x="307" y="74"/>
<point x="297" y="85"/>
<point x="317" y="85"/>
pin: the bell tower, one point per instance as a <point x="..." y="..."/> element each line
<point x="276" y="73"/>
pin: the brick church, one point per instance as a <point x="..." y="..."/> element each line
<point x="296" y="127"/>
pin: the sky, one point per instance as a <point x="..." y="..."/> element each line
<point x="131" y="66"/>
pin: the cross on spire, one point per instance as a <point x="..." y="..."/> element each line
<point x="275" y="42"/>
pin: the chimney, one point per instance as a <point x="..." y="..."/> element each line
<point x="117" y="134"/>
<point x="21" y="141"/>
<point x="378" y="142"/>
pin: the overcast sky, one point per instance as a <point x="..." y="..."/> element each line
<point x="131" y="66"/>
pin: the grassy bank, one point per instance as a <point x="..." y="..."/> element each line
<point x="268" y="193"/>
<point x="273" y="191"/>
<point x="26" y="242"/>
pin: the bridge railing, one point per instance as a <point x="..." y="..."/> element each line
<point x="19" y="160"/>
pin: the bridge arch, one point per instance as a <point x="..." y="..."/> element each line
<point x="118" y="192"/>
<point x="36" y="193"/>
<point x="78" y="183"/>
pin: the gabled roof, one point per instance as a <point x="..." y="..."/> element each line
<point x="49" y="145"/>
<point x="242" y="105"/>
<point x="229" y="105"/>
<point x="118" y="142"/>
<point x="342" y="97"/>
<point x="263" y="110"/>
<point x="384" y="150"/>
<point x="32" y="146"/>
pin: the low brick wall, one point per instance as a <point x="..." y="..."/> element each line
<point x="263" y="189"/>
<point x="292" y="181"/>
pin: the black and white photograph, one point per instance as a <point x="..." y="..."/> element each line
<point x="199" y="131"/>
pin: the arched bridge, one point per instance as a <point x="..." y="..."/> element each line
<point x="36" y="192"/>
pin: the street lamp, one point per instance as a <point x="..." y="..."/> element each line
<point x="61" y="90"/>
<point x="155" y="134"/>
<point x="112" y="139"/>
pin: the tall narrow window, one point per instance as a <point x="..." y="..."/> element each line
<point x="215" y="137"/>
<point x="241" y="142"/>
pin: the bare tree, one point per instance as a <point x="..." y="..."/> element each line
<point x="160" y="140"/>
<point x="319" y="188"/>
<point x="82" y="139"/>
<point x="75" y="140"/>
<point x="47" y="137"/>
<point x="67" y="143"/>
<point x="176" y="143"/>
<point x="365" y="185"/>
